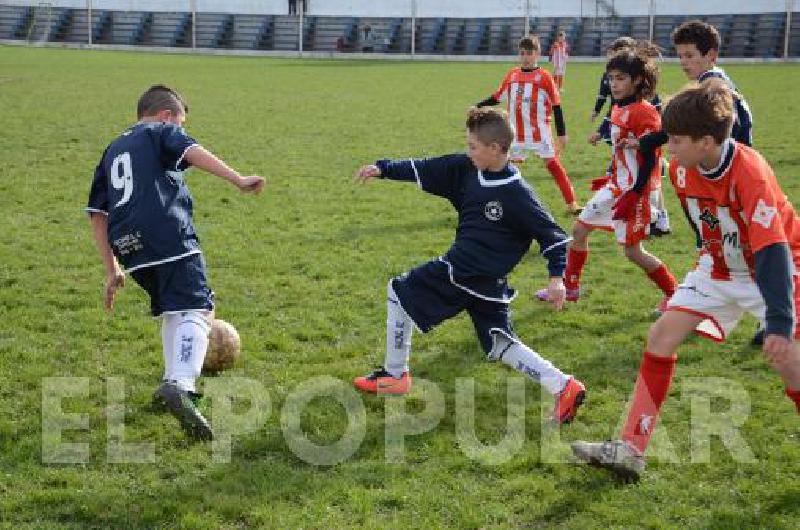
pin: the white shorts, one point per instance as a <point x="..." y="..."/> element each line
<point x="544" y="149"/>
<point x="721" y="302"/>
<point x="598" y="211"/>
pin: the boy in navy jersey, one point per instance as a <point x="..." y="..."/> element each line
<point x="499" y="216"/>
<point x="141" y="214"/>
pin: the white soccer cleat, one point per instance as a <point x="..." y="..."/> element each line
<point x="617" y="456"/>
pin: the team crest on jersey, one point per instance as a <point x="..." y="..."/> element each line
<point x="709" y="218"/>
<point x="764" y="214"/>
<point x="493" y="210"/>
<point x="537" y="78"/>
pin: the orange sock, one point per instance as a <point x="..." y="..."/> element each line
<point x="664" y="279"/>
<point x="576" y="259"/>
<point x="652" y="385"/>
<point x="560" y="174"/>
<point x="794" y="395"/>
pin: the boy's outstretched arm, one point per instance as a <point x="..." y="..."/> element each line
<point x="200" y="157"/>
<point x="115" y="278"/>
<point x="367" y="172"/>
<point x="437" y="176"/>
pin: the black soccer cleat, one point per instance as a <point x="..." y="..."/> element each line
<point x="181" y="405"/>
<point x="656" y="231"/>
<point x="758" y="338"/>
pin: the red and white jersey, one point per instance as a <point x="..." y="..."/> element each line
<point x="559" y="52"/>
<point x="531" y="95"/>
<point x="736" y="210"/>
<point x="632" y="121"/>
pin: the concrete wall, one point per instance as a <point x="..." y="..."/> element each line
<point x="441" y="8"/>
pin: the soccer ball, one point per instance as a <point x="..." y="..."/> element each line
<point x="224" y="347"/>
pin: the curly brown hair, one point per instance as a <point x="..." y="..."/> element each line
<point x="639" y="62"/>
<point x="701" y="34"/>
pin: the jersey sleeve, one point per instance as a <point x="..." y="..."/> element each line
<point x="759" y="200"/>
<point x="502" y="90"/>
<point x="98" y="194"/>
<point x="549" y="87"/>
<point x="528" y="215"/>
<point x="646" y="121"/>
<point x="437" y="176"/>
<point x="174" y="144"/>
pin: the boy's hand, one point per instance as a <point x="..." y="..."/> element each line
<point x="114" y="281"/>
<point x="367" y="172"/>
<point x="562" y="143"/>
<point x="628" y="143"/>
<point x="594" y="138"/>
<point x="251" y="184"/>
<point x="777" y="349"/>
<point x="556" y="293"/>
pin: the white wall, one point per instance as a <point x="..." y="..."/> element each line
<point x="439" y="8"/>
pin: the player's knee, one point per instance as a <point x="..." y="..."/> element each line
<point x="579" y="233"/>
<point x="660" y="339"/>
<point x="633" y="252"/>
<point x="496" y="344"/>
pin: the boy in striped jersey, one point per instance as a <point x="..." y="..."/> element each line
<point x="559" y="52"/>
<point x="633" y="74"/>
<point x="749" y="237"/>
<point x="532" y="97"/>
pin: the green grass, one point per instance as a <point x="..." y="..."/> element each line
<point x="301" y="271"/>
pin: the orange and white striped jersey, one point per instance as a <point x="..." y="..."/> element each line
<point x="736" y="210"/>
<point x="531" y="95"/>
<point x="559" y="51"/>
<point x="632" y="120"/>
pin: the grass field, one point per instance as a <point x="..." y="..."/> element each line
<point x="301" y="271"/>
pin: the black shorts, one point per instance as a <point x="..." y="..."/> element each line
<point x="179" y="285"/>
<point x="429" y="297"/>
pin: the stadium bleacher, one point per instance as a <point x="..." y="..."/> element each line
<point x="744" y="35"/>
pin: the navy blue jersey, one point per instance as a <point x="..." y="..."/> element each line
<point x="743" y="122"/>
<point x="139" y="185"/>
<point x="603" y="94"/>
<point x="499" y="215"/>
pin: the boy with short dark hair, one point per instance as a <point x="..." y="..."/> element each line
<point x="141" y="214"/>
<point x="532" y="97"/>
<point x="697" y="44"/>
<point x="499" y="216"/>
<point x="748" y="263"/>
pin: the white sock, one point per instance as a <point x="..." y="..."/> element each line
<point x="189" y="350"/>
<point x="169" y="324"/>
<point x="525" y="360"/>
<point x="398" y="335"/>
<point x="663" y="220"/>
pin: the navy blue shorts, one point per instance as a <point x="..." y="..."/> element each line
<point x="429" y="297"/>
<point x="179" y="285"/>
